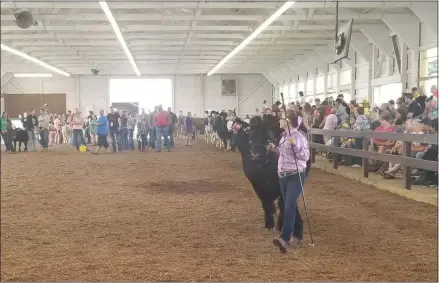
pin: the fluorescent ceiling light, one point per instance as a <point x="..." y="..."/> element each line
<point x="119" y="36"/>
<point x="32" y="59"/>
<point x="252" y="36"/>
<point x="33" y="75"/>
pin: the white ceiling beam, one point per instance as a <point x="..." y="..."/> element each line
<point x="126" y="28"/>
<point x="161" y="36"/>
<point x="381" y="39"/>
<point x="427" y="13"/>
<point x="8" y="19"/>
<point x="297" y="10"/>
<point x="310" y="4"/>
<point x="203" y="5"/>
<point x="405" y="26"/>
<point x="147" y="42"/>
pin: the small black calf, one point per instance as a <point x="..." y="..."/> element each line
<point x="20" y="136"/>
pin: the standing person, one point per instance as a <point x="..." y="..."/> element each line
<point x="32" y="124"/>
<point x="43" y="126"/>
<point x="4" y="131"/>
<point x="188" y="126"/>
<point x="142" y="132"/>
<point x="173" y="121"/>
<point x="102" y="132"/>
<point x="92" y="119"/>
<point x="114" y="127"/>
<point x="162" y="127"/>
<point x="319" y="117"/>
<point x="361" y="124"/>
<point x="131" y="126"/>
<point x="124" y="130"/>
<point x="152" y="130"/>
<point x="58" y="129"/>
<point x="180" y="125"/>
<point x="307" y="116"/>
<point x="293" y="157"/>
<point x="78" y="134"/>
<point x="414" y="107"/>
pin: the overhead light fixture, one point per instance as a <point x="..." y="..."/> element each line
<point x="119" y="36"/>
<point x="33" y="75"/>
<point x="252" y="36"/>
<point x="34" y="60"/>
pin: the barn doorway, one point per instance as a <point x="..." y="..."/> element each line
<point x="140" y="93"/>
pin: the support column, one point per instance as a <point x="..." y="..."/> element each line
<point x="415" y="68"/>
<point x="404" y="65"/>
<point x="78" y="92"/>
<point x="237" y="95"/>
<point x="338" y="83"/>
<point x="201" y="94"/>
<point x="353" y="70"/>
<point x="325" y="84"/>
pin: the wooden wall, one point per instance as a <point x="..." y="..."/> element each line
<point x="16" y="104"/>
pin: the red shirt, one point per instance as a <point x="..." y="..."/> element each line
<point x="382" y="129"/>
<point x="161" y="119"/>
<point x="327" y="111"/>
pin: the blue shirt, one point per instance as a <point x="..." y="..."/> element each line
<point x="102" y="128"/>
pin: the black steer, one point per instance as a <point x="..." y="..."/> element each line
<point x="20" y="136"/>
<point x="260" y="166"/>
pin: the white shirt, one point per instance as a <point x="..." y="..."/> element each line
<point x="229" y="125"/>
<point x="330" y="122"/>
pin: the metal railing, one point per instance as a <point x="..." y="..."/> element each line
<point x="407" y="161"/>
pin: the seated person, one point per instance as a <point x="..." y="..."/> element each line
<point x="431" y="154"/>
<point x="385" y="127"/>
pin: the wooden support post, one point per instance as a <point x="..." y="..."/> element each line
<point x="365" y="161"/>
<point x="407" y="170"/>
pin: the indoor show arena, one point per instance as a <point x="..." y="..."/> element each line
<point x="219" y="141"/>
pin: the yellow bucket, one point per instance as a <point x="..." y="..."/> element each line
<point x="82" y="148"/>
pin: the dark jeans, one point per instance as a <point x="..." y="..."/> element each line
<point x="162" y="131"/>
<point x="102" y="141"/>
<point x="125" y="140"/>
<point x="78" y="138"/>
<point x="131" y="139"/>
<point x="291" y="189"/>
<point x="233" y="141"/>
<point x="152" y="137"/>
<point x="431" y="155"/>
<point x="44" y="138"/>
<point x="357" y="145"/>
<point x="143" y="143"/>
<point x="115" y="138"/>
<point x="317" y="138"/>
<point x="171" y="135"/>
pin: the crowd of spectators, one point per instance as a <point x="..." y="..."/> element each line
<point x="414" y="113"/>
<point x="123" y="129"/>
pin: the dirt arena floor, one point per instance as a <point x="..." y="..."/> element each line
<point x="191" y="215"/>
